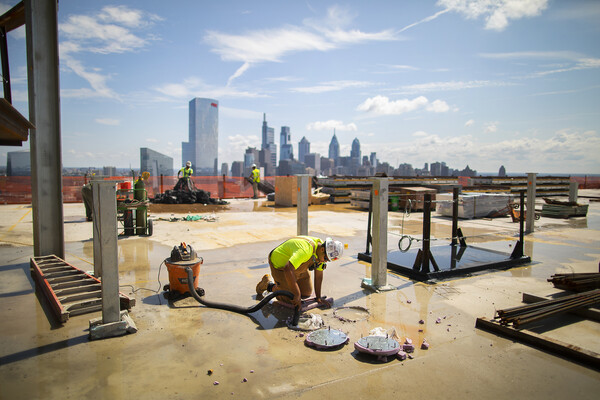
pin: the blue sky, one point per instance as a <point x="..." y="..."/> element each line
<point x="478" y="82"/>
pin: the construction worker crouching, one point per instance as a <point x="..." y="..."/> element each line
<point x="255" y="177"/>
<point x="290" y="264"/>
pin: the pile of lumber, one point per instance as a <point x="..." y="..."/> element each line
<point x="475" y="205"/>
<point x="563" y="209"/>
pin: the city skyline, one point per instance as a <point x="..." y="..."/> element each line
<point x="472" y="82"/>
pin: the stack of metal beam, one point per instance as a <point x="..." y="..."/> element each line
<point x="521" y="315"/>
<point x="580" y="282"/>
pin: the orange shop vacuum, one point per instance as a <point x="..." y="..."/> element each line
<point x="184" y="268"/>
<point x="182" y="257"/>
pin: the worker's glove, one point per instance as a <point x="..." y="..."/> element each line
<point x="323" y="302"/>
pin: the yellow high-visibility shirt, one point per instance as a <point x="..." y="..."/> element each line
<point x="256" y="175"/>
<point x="297" y="251"/>
<point x="187" y="172"/>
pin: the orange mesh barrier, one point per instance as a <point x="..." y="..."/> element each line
<point x="17" y="189"/>
<point x="587" y="182"/>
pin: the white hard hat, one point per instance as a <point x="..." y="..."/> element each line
<point x="333" y="249"/>
<point x="253" y="165"/>
<point x="188" y="164"/>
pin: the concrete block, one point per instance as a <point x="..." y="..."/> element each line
<point x="100" y="330"/>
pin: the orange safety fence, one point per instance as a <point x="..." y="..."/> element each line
<point x="587" y="182"/>
<point x="17" y="189"/>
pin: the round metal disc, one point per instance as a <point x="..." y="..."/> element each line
<point x="377" y="345"/>
<point x="326" y="338"/>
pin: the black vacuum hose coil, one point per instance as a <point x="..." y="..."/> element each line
<point x="239" y="309"/>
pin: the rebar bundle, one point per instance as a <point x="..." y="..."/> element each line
<point x="579" y="282"/>
<point x="533" y="312"/>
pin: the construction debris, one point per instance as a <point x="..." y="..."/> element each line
<point x="185" y="192"/>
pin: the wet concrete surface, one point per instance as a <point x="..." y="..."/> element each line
<point x="179" y="341"/>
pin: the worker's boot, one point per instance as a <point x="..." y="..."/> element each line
<point x="262" y="286"/>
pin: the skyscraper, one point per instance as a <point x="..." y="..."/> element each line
<point x="355" y="152"/>
<point x="285" y="144"/>
<point x="203" y="144"/>
<point x="18" y="163"/>
<point x="268" y="142"/>
<point x="155" y="163"/>
<point x="303" y="149"/>
<point x="334" y="149"/>
<point x="373" y="159"/>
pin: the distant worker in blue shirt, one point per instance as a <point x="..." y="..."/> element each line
<point x="255" y="177"/>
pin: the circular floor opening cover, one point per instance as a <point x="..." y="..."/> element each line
<point x="377" y="345"/>
<point x="326" y="338"/>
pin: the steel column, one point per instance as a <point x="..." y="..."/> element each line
<point x="44" y="113"/>
<point x="454" y="215"/>
<point x="530" y="217"/>
<point x="380" y="231"/>
<point x="106" y="254"/>
<point x="302" y="201"/>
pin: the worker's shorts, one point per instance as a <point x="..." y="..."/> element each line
<point x="302" y="277"/>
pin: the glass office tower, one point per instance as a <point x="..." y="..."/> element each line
<point x="203" y="145"/>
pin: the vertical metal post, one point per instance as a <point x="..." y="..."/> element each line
<point x="380" y="232"/>
<point x="454" y="215"/>
<point x="521" y="215"/>
<point x="105" y="247"/>
<point x="573" y="189"/>
<point x="302" y="204"/>
<point x="530" y="217"/>
<point x="5" y="68"/>
<point x="369" y="237"/>
<point x="44" y="112"/>
<point x="518" y="250"/>
<point x="426" y="232"/>
<point x="161" y="183"/>
<point x="224" y="178"/>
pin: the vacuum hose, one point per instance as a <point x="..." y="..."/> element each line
<point x="238" y="309"/>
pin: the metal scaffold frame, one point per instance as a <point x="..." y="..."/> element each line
<point x="457" y="260"/>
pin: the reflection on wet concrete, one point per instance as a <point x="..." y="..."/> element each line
<point x="185" y="339"/>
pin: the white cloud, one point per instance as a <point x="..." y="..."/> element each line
<point x="97" y="81"/>
<point x="427" y="19"/>
<point x="330" y="126"/>
<point x="545" y="154"/>
<point x="497" y="13"/>
<point x="271" y="45"/>
<point x="447" y="86"/>
<point x="490" y="127"/>
<point x="438" y="106"/>
<point x="381" y="105"/>
<point x="195" y="87"/>
<point x="236" y="145"/>
<point x="331" y="86"/>
<point x="108" y="121"/>
<point x="152" y="140"/>
<point x="469" y="122"/>
<point x="570" y="60"/>
<point x="240" y="114"/>
<point x="106" y="32"/>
